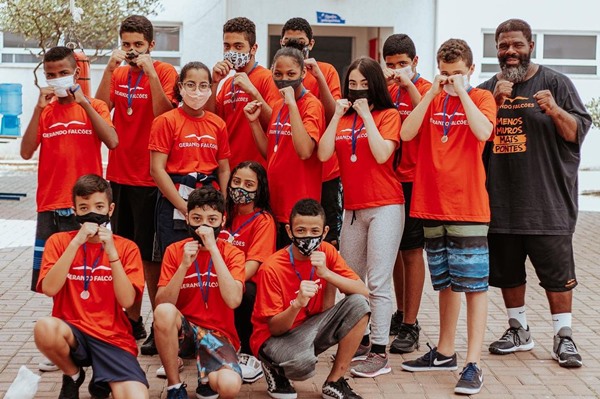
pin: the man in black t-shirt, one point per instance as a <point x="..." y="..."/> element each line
<point x="532" y="182"/>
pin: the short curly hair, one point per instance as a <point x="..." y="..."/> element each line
<point x="206" y="196"/>
<point x="298" y="24"/>
<point x="138" y="24"/>
<point x="514" y="25"/>
<point x="241" y="25"/>
<point x="399" y="43"/>
<point x="453" y="50"/>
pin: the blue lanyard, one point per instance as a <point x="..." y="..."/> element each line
<point x="354" y="135"/>
<point x="312" y="270"/>
<point x="446" y="128"/>
<point x="204" y="291"/>
<point x="397" y="101"/>
<point x="234" y="92"/>
<point x="86" y="278"/>
<point x="129" y="91"/>
<point x="246" y="223"/>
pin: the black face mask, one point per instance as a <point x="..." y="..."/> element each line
<point x="131" y="56"/>
<point x="307" y="245"/>
<point x="92" y="217"/>
<point x="354" y="95"/>
<point x="195" y="236"/>
<point x="285" y="83"/>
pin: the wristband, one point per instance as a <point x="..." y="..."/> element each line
<point x="113" y="261"/>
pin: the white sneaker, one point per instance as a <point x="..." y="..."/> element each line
<point x="47" y="365"/>
<point x="160" y="372"/>
<point x="251" y="368"/>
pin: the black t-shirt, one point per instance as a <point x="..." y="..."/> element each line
<point x="532" y="171"/>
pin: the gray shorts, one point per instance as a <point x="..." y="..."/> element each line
<point x="296" y="351"/>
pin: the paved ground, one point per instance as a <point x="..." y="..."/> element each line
<point x="525" y="375"/>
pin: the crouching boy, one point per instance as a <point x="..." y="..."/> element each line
<point x="295" y="318"/>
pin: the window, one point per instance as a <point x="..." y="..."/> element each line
<point x="572" y="54"/>
<point x="167" y="39"/>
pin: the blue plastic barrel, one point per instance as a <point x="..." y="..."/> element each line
<point x="11" y="106"/>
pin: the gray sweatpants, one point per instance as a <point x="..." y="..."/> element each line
<point x="369" y="243"/>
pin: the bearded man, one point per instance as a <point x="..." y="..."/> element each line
<point x="532" y="183"/>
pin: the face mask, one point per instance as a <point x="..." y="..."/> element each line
<point x="449" y="88"/>
<point x="354" y="95"/>
<point x="132" y="55"/>
<point x="238" y="60"/>
<point x="281" y="83"/>
<point x="407" y="70"/>
<point x="61" y="85"/>
<point x="93" y="217"/>
<point x="240" y="196"/>
<point x="196" y="100"/>
<point x="307" y="245"/>
<point x="195" y="236"/>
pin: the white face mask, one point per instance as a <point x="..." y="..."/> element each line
<point x="61" y="85"/>
<point x="449" y="88"/>
<point x="196" y="100"/>
<point x="237" y="59"/>
<point x="407" y="70"/>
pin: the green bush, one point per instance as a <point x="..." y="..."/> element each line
<point x="593" y="108"/>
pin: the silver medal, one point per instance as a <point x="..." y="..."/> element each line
<point x="130" y="111"/>
<point x="84" y="295"/>
<point x="353" y="158"/>
<point x="444" y="139"/>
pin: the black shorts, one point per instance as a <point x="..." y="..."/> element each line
<point x="333" y="204"/>
<point x="412" y="237"/>
<point x="551" y="256"/>
<point x="109" y="363"/>
<point x="133" y="217"/>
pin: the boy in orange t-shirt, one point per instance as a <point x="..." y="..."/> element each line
<point x="454" y="121"/>
<point x="69" y="130"/>
<point x="91" y="276"/>
<point x="201" y="282"/>
<point x="295" y="318"/>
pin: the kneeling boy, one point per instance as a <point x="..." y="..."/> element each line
<point x="92" y="275"/>
<point x="294" y="317"/>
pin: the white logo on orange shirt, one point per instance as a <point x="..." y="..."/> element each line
<point x="66" y="124"/>
<point x="204" y="136"/>
<point x="214" y="283"/>
<point x="94" y="270"/>
<point x="133" y="88"/>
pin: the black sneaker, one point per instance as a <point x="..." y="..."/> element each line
<point x="70" y="388"/>
<point x="565" y="351"/>
<point x="515" y="339"/>
<point x="177" y="393"/>
<point x="148" y="348"/>
<point x="395" y="322"/>
<point x="204" y="391"/>
<point x="339" y="389"/>
<point x="407" y="340"/>
<point x="139" y="331"/>
<point x="278" y="386"/>
<point x="431" y="361"/>
<point x="99" y="390"/>
<point x="471" y="380"/>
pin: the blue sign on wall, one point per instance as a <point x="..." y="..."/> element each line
<point x="329" y="18"/>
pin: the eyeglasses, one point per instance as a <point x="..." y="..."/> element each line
<point x="192" y="86"/>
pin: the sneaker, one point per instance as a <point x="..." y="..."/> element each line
<point x="160" y="372"/>
<point x="251" y="369"/>
<point x="99" y="390"/>
<point x="431" y="361"/>
<point x="471" y="380"/>
<point x="407" y="340"/>
<point x="515" y="339"/>
<point x="70" y="388"/>
<point x="177" y="393"/>
<point x="360" y="354"/>
<point x="148" y="348"/>
<point x="565" y="350"/>
<point x="397" y="318"/>
<point x="339" y="389"/>
<point x="373" y="365"/>
<point x="204" y="391"/>
<point x="278" y="386"/>
<point x="139" y="331"/>
<point x="47" y="365"/>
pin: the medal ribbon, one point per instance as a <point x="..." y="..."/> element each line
<point x="446" y="128"/>
<point x="129" y="88"/>
<point x="204" y="292"/>
<point x="355" y="133"/>
<point x="86" y="278"/>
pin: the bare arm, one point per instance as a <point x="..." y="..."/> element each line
<point x="478" y="123"/>
<point x="124" y="291"/>
<point x="158" y="163"/>
<point x="252" y="110"/>
<point x="103" y="91"/>
<point x="381" y="148"/>
<point x="170" y="292"/>
<point x="412" y="124"/>
<point x="566" y="124"/>
<point x="106" y="133"/>
<point x="303" y="143"/>
<point x="223" y="173"/>
<point x="327" y="143"/>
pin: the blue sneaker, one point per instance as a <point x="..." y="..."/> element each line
<point x="178" y="393"/>
<point x="471" y="380"/>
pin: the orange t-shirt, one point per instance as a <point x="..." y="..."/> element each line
<point x="278" y="285"/>
<point x="366" y="183"/>
<point x="213" y="314"/>
<point x="230" y="103"/>
<point x="69" y="148"/>
<point x="410" y="149"/>
<point x="192" y="144"/>
<point x="100" y="316"/>
<point x="254" y="234"/>
<point x="290" y="178"/>
<point x="331" y="168"/>
<point x="450" y="177"/>
<point x="129" y="163"/>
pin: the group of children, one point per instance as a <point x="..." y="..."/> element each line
<point x="224" y="195"/>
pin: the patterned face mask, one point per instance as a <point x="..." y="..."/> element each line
<point x="240" y="196"/>
<point x="238" y="60"/>
<point x="307" y="245"/>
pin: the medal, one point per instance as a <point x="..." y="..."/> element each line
<point x="353" y="158"/>
<point x="129" y="111"/>
<point x="84" y="295"/>
<point x="130" y="91"/>
<point x="444" y="139"/>
<point x="275" y="148"/>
